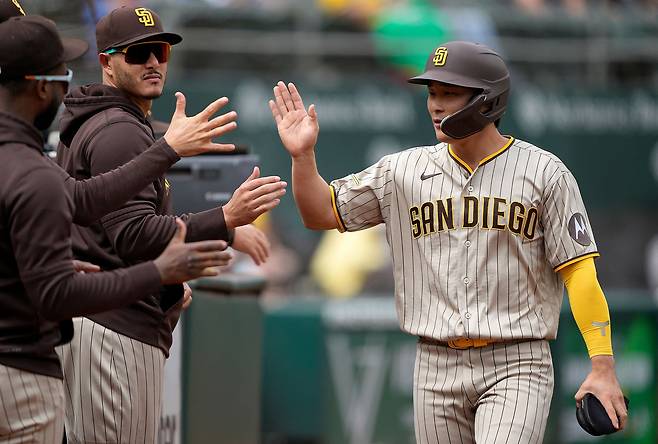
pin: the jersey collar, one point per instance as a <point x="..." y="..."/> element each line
<point x="489" y="158"/>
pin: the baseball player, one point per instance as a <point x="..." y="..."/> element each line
<point x="484" y="230"/>
<point x="104" y="126"/>
<point x="39" y="290"/>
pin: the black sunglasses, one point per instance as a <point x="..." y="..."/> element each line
<point x="139" y="53"/>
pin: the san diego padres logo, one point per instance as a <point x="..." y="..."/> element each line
<point x="145" y="16"/>
<point x="18" y="5"/>
<point x="440" y="56"/>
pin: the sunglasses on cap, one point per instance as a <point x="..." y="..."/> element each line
<point x="139" y="53"/>
<point x="64" y="78"/>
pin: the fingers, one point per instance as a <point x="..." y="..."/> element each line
<point x="208" y="272"/>
<point x="181" y="232"/>
<point x="222" y="120"/>
<point x="266" y="197"/>
<point x="265" y="207"/>
<point x="268" y="183"/>
<point x="204" y="246"/>
<point x="579" y="397"/>
<point x="85" y="267"/>
<point x="254" y="174"/>
<point x="213" y="108"/>
<point x="312" y="113"/>
<point x="180" y="105"/>
<point x="610" y="410"/>
<point x="219" y="148"/>
<point x="621" y="411"/>
<point x="220" y="131"/>
<point x="296" y="97"/>
<point x="278" y="98"/>
<point x="275" y="112"/>
<point x="287" y="98"/>
<point x="209" y="259"/>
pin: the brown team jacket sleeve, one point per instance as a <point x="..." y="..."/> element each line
<point x="39" y="229"/>
<point x="139" y="230"/>
<point x="95" y="197"/>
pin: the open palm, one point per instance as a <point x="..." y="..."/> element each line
<point x="298" y="128"/>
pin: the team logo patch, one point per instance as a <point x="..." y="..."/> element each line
<point x="145" y="17"/>
<point x="440" y="56"/>
<point x="578" y="229"/>
<point x="18" y="5"/>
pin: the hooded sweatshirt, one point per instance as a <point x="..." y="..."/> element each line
<point x="102" y="129"/>
<point x="39" y="290"/>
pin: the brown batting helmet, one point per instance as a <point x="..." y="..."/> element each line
<point x="470" y="65"/>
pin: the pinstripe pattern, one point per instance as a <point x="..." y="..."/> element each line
<point x="113" y="386"/>
<point x="475" y="255"/>
<point x="493" y="280"/>
<point x="31" y="408"/>
<point x="491" y="395"/>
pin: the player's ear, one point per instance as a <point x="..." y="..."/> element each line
<point x="104" y="60"/>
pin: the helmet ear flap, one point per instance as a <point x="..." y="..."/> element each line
<point x="467" y="121"/>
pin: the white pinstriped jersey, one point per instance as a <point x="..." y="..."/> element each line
<point x="475" y="253"/>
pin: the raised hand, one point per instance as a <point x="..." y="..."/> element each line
<point x="181" y="262"/>
<point x="254" y="197"/>
<point x="189" y="136"/>
<point x="252" y="241"/>
<point x="298" y="128"/>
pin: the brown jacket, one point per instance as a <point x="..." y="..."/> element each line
<point x="39" y="291"/>
<point x="102" y="129"/>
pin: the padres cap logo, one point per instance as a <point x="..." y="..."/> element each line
<point x="578" y="229"/>
<point x="440" y="56"/>
<point x="145" y="17"/>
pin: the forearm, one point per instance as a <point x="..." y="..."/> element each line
<point x="62" y="294"/>
<point x="589" y="306"/>
<point x="95" y="197"/>
<point x="312" y="194"/>
<point x="206" y="225"/>
<point x="138" y="234"/>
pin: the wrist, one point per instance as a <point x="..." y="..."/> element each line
<point x="305" y="156"/>
<point x="229" y="220"/>
<point x="603" y="363"/>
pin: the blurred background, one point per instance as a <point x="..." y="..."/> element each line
<point x="317" y="357"/>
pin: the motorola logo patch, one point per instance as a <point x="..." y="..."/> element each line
<point x="578" y="230"/>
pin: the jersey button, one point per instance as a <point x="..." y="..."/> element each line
<point x="467" y="243"/>
<point x="466" y="280"/>
<point x="470" y="188"/>
<point x="467" y="315"/>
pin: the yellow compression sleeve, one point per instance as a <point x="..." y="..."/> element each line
<point x="588" y="306"/>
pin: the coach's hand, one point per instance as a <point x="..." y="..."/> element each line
<point x="298" y="128"/>
<point x="187" y="296"/>
<point x="189" y="136"/>
<point x="181" y="262"/>
<point x="602" y="383"/>
<point x="85" y="267"/>
<point x="254" y="197"/>
<point x="252" y="241"/>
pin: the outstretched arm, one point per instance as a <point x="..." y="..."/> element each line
<point x="186" y="136"/>
<point x="298" y="129"/>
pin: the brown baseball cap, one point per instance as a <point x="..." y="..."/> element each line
<point x="10" y="8"/>
<point x="126" y="25"/>
<point x="30" y="44"/>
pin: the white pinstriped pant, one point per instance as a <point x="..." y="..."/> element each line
<point x="31" y="407"/>
<point x="496" y="394"/>
<point x="113" y="386"/>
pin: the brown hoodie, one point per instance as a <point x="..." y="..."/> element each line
<point x="101" y="129"/>
<point x="39" y="291"/>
